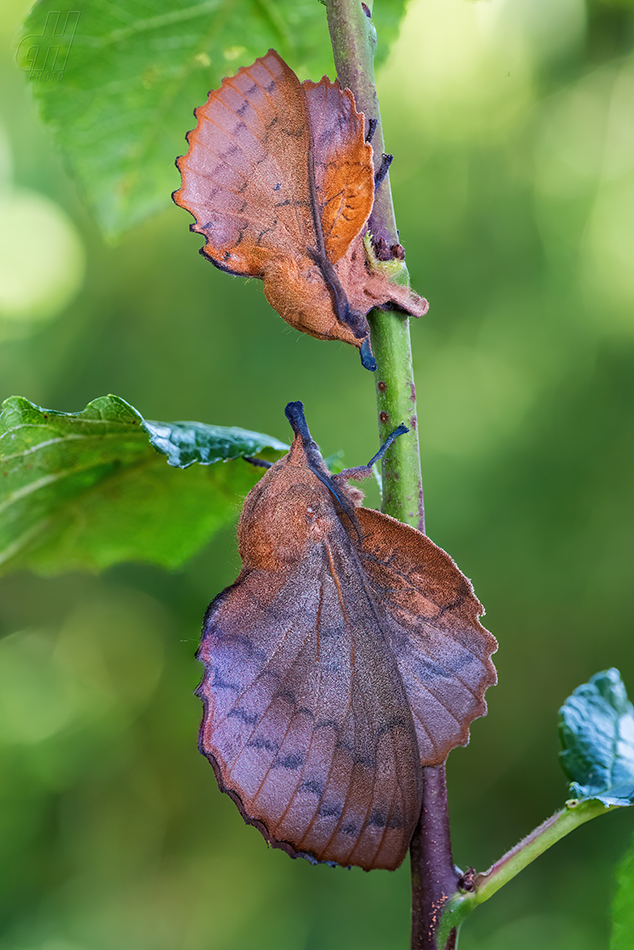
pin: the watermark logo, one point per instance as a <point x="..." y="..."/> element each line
<point x="44" y="55"/>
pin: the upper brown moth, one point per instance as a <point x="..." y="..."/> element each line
<point x="280" y="181"/>
<point x="346" y="655"/>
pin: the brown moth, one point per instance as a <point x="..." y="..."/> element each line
<point x="346" y="655"/>
<point x="280" y="181"/>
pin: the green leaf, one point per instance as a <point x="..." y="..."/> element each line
<point x="623" y="904"/>
<point x="596" y="726"/>
<point x="118" y="81"/>
<point x="334" y="462"/>
<point x="187" y="442"/>
<point x="89" y="489"/>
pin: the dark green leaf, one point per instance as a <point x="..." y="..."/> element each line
<point x="623" y="904"/>
<point x="596" y="725"/>
<point x="187" y="442"/>
<point x="118" y="82"/>
<point x="87" y="489"/>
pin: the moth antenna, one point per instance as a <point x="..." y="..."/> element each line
<point x="259" y="463"/>
<point x="367" y="357"/>
<point x="386" y="161"/>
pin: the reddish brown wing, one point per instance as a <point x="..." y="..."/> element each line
<point x="306" y="720"/>
<point x="442" y="651"/>
<point x="271" y="163"/>
<point x="245" y="176"/>
<point x="342" y="165"/>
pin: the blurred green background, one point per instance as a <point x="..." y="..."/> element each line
<point x="512" y="126"/>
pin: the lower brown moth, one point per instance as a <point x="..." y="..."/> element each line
<point x="347" y="655"/>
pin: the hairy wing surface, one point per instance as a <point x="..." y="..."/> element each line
<point x="305" y="718"/>
<point x="342" y="162"/>
<point x="245" y="176"/>
<point x="443" y="652"/>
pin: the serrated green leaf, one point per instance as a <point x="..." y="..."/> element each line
<point x="89" y="489"/>
<point x="623" y="904"/>
<point x="596" y="726"/>
<point x="118" y="82"/>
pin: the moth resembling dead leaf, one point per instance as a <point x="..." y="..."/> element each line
<point x="279" y="179"/>
<point x="346" y="655"/>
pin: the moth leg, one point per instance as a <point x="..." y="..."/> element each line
<point x="400" y="430"/>
<point x="259" y="463"/>
<point x="372" y="124"/>
<point x="364" y="471"/>
<point x="358" y="473"/>
<point x="386" y="161"/>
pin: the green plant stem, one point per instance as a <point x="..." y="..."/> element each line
<point x="434" y="876"/>
<point x="353" y="42"/>
<point x="486" y="884"/>
<point x="396" y="403"/>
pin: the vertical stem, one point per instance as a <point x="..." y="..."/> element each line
<point x="396" y="403"/>
<point x="434" y="877"/>
<point x="353" y="42"/>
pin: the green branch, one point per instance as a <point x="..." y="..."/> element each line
<point x="353" y="37"/>
<point x="353" y="42"/>
<point x="485" y="885"/>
